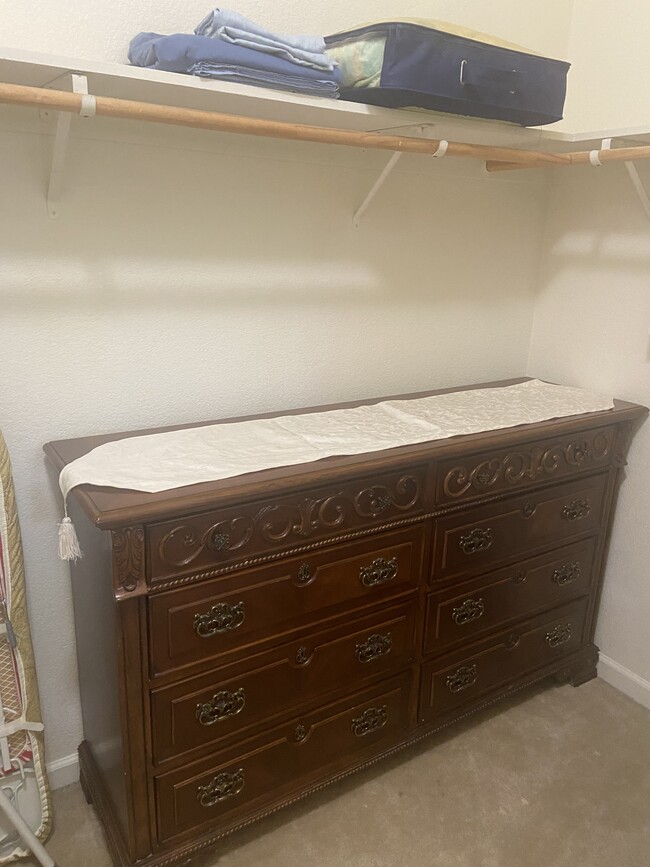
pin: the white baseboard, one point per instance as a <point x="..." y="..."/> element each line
<point x="624" y="680"/>
<point x="63" y="772"/>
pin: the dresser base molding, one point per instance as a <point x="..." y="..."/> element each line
<point x="576" y="669"/>
<point x="581" y="670"/>
<point x="95" y="793"/>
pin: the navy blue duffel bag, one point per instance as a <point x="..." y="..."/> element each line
<point x="429" y="68"/>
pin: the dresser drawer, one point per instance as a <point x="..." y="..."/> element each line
<point x="263" y="770"/>
<point x="235" y="700"/>
<point x="511" y="469"/>
<point x="459" y="613"/>
<point x="469" y="542"/>
<point x="197" y="623"/>
<point x="462" y="678"/>
<point x="218" y="538"/>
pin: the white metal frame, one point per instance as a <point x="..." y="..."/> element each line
<point x="25" y="832"/>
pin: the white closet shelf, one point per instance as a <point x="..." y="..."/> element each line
<point x="146" y="94"/>
<point x="122" y="81"/>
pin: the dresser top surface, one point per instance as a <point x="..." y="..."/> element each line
<point x="111" y="507"/>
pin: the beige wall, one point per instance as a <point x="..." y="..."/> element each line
<point x="591" y="329"/>
<point x="592" y="316"/>
<point x="609" y="81"/>
<point x="80" y="28"/>
<point x="193" y="276"/>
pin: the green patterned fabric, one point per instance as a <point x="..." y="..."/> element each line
<point x="360" y="60"/>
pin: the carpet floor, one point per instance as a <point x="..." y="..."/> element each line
<point x="551" y="777"/>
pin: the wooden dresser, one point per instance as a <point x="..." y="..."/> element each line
<point x="243" y="643"/>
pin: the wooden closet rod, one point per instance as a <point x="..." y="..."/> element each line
<point x="58" y="100"/>
<point x="610" y="155"/>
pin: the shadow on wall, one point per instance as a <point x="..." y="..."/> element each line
<point x="603" y="225"/>
<point x="143" y="224"/>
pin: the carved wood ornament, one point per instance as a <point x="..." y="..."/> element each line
<point x="128" y="562"/>
<point x="523" y="466"/>
<point x="289" y="523"/>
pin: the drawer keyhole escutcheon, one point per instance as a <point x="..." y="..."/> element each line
<point x="376" y="646"/>
<point x="576" y="510"/>
<point x="300" y="733"/>
<point x="220" y="618"/>
<point x="305" y="575"/>
<point x="512" y="641"/>
<point x="222" y="705"/>
<point x="462" y="678"/>
<point x="380" y="571"/>
<point x="303" y="655"/>
<point x="567" y="574"/>
<point x="519" y="577"/>
<point x="470" y="610"/>
<point x="222" y="787"/>
<point x="559" y="635"/>
<point x="529" y="510"/>
<point x="477" y="539"/>
<point x="371" y="720"/>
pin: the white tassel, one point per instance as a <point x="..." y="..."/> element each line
<point x="68" y="542"/>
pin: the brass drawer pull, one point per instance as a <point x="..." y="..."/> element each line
<point x="220" y="618"/>
<point x="380" y="571"/>
<point x="471" y="609"/>
<point x="370" y="721"/>
<point x="476" y="540"/>
<point x="559" y="635"/>
<point x="576" y="510"/>
<point x="567" y="574"/>
<point x="462" y="678"/>
<point x="221" y="706"/>
<point x="222" y="787"/>
<point x="376" y="646"/>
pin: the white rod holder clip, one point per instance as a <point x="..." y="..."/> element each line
<point x="594" y="156"/>
<point x="78" y="84"/>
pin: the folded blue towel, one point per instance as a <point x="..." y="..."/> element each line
<point x="215" y="58"/>
<point x="273" y="46"/>
<point x="278" y="81"/>
<point x="223" y="18"/>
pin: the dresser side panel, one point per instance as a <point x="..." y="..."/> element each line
<point x="95" y="618"/>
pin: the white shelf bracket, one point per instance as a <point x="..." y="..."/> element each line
<point x="639" y="187"/>
<point x="425" y="132"/>
<point x="78" y="84"/>
<point x="388" y="168"/>
<point x="637" y="183"/>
